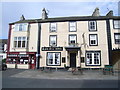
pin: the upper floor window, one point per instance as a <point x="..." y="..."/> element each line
<point x="21" y="27"/>
<point x="92" y="26"/>
<point x="53" y="40"/>
<point x="53" y="27"/>
<point x="72" y="40"/>
<point x="72" y="26"/>
<point x="116" y="24"/>
<point x="93" y="40"/>
<point x="20" y="42"/>
<point x="117" y="38"/>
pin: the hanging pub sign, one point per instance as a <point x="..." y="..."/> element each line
<point x="52" y="48"/>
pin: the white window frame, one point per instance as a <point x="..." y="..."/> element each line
<point x="116" y="24"/>
<point x="53" y="58"/>
<point x="95" y="38"/>
<point x="72" y="26"/>
<point x="21" y="27"/>
<point x="21" y="41"/>
<point x="91" y="26"/>
<point x="53" y="27"/>
<point x="117" y="37"/>
<point x="75" y="38"/>
<point x="93" y="53"/>
<point x="55" y="38"/>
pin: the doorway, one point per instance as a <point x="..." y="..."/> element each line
<point x="72" y="59"/>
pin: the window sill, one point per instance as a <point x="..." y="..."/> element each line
<point x="19" y="48"/>
<point x="53" y="65"/>
<point x="92" y="30"/>
<point x="93" y="65"/>
<point x="20" y="31"/>
<point x="93" y="45"/>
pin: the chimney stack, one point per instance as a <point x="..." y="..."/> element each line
<point x="110" y="13"/>
<point x="96" y="12"/>
<point x="44" y="14"/>
<point x="22" y="18"/>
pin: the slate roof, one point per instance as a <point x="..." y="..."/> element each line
<point x="73" y="18"/>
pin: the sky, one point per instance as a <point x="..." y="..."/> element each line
<point x="12" y="11"/>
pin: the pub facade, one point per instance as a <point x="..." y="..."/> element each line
<point x="83" y="41"/>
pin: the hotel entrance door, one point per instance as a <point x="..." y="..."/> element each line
<point x="72" y="59"/>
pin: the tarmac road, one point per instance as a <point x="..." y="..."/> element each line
<point x="10" y="80"/>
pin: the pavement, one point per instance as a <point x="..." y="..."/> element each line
<point x="62" y="74"/>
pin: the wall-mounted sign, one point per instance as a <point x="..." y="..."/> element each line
<point x="19" y="55"/>
<point x="23" y="55"/>
<point x="52" y="48"/>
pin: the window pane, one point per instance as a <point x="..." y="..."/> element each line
<point x="117" y="36"/>
<point x="53" y="27"/>
<point x="23" y="43"/>
<point x="73" y="39"/>
<point x="20" y="27"/>
<point x="15" y="38"/>
<point x="93" y="58"/>
<point x="53" y="58"/>
<point x="16" y="27"/>
<point x="19" y="38"/>
<point x="19" y="43"/>
<point x="72" y="26"/>
<point x="93" y="39"/>
<point x="92" y="25"/>
<point x="25" y="27"/>
<point x="53" y="40"/>
<point x="15" y="43"/>
<point x="24" y="39"/>
<point x="116" y="23"/>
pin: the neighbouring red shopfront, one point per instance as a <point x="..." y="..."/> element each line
<point x="21" y="60"/>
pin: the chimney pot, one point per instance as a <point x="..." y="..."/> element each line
<point x="44" y="14"/>
<point x="22" y="18"/>
<point x="110" y="13"/>
<point x="96" y="12"/>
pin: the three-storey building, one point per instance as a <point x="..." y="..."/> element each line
<point x="83" y="41"/>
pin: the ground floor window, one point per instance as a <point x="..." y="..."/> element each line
<point x="93" y="58"/>
<point x="53" y="58"/>
<point x="11" y="61"/>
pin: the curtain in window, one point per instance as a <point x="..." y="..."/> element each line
<point x="72" y="39"/>
<point x="53" y="27"/>
<point x="52" y="40"/>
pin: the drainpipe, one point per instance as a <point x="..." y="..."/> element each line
<point x="38" y="47"/>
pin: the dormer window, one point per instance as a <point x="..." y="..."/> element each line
<point x="53" y="27"/>
<point x="21" y="27"/>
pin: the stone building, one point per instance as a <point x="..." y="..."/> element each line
<point x="80" y="41"/>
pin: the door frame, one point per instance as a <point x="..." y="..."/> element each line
<point x="73" y="60"/>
